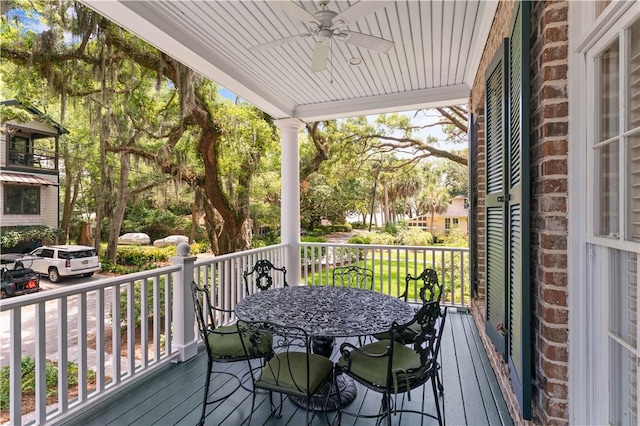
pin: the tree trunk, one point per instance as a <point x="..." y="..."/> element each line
<point x="85" y="234"/>
<point x="194" y="222"/>
<point x="121" y="205"/>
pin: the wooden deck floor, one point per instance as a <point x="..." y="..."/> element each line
<point x="173" y="396"/>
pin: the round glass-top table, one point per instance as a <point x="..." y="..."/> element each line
<point x="327" y="312"/>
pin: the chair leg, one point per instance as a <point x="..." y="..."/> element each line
<point x="386" y="409"/>
<point x="206" y="391"/>
<point x="253" y="404"/>
<point x="435" y="396"/>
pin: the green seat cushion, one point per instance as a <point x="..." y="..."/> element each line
<point x="374" y="370"/>
<point x="225" y="342"/>
<point x="287" y="372"/>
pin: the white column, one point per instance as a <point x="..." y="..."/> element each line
<point x="184" y="336"/>
<point x="290" y="195"/>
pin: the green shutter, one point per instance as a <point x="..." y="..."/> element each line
<point x="495" y="133"/>
<point x="519" y="321"/>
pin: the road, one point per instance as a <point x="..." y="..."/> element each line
<point x="51" y="318"/>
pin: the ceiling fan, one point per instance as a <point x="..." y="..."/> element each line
<point x="326" y="25"/>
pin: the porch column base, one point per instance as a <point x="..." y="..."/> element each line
<point x="186" y="352"/>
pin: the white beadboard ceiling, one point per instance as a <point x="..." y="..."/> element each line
<point x="438" y="45"/>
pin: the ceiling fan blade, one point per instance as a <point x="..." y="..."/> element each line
<point x="269" y="45"/>
<point x="358" y="11"/>
<point x="320" y="56"/>
<point x="367" y="41"/>
<point x="295" y="11"/>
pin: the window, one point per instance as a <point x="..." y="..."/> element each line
<point x="450" y="222"/>
<point x="613" y="70"/>
<point x="21" y="199"/>
<point x="616" y="147"/>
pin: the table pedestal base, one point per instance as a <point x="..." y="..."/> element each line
<point x="327" y="398"/>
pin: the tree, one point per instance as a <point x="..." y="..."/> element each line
<point x="435" y="200"/>
<point x="110" y="70"/>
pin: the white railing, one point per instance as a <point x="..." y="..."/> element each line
<point x="390" y="265"/>
<point x="83" y="323"/>
<point x="82" y="326"/>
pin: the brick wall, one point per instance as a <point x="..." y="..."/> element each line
<point x="549" y="149"/>
<point x="549" y="174"/>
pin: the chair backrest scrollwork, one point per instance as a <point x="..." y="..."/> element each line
<point x="430" y="288"/>
<point x="353" y="276"/>
<point x="262" y="275"/>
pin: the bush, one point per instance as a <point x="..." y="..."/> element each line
<point x="456" y="238"/>
<point x="137" y="297"/>
<point x="11" y="236"/>
<point x="345" y="227"/>
<point x="312" y="239"/>
<point x="28" y="366"/>
<point x="359" y="239"/>
<point x="391" y="228"/>
<point x="358" y="225"/>
<point x="143" y="256"/>
<point x="379" y="238"/>
<point x="200" y="247"/>
<point x="414" y="236"/>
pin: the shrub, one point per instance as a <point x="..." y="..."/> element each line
<point x="143" y="256"/>
<point x="359" y="239"/>
<point x="200" y="247"/>
<point x="456" y="238"/>
<point x="313" y="239"/>
<point x="137" y="298"/>
<point x="345" y="227"/>
<point x="13" y="235"/>
<point x="413" y="236"/>
<point x="28" y="366"/>
<point x="391" y="228"/>
<point x="379" y="238"/>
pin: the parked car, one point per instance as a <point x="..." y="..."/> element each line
<point x="171" y="240"/>
<point x="65" y="261"/>
<point x="15" y="278"/>
<point x="134" y="238"/>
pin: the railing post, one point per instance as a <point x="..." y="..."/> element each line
<point x="184" y="336"/>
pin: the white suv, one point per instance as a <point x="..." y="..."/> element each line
<point x="65" y="260"/>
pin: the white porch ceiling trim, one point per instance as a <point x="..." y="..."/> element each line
<point x="428" y="98"/>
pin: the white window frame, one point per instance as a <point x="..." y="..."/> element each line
<point x="615" y="32"/>
<point x="586" y="314"/>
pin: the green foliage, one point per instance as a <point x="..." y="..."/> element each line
<point x="359" y="239"/>
<point x="12" y="236"/>
<point x="137" y="300"/>
<point x="456" y="238"/>
<point x="143" y="256"/>
<point x="358" y="225"/>
<point x="390" y="228"/>
<point x="28" y="366"/>
<point x="313" y="239"/>
<point x="200" y="247"/>
<point x="379" y="238"/>
<point x="157" y="223"/>
<point x="413" y="236"/>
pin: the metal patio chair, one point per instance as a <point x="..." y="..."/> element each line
<point x="293" y="370"/>
<point x="391" y="368"/>
<point x="222" y="343"/>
